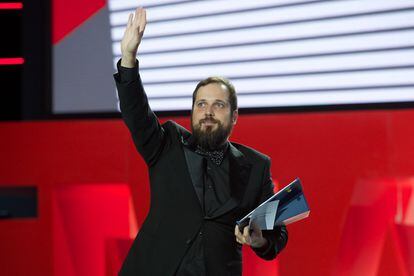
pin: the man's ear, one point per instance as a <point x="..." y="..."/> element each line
<point x="234" y="117"/>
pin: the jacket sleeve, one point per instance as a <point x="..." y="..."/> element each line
<point x="147" y="133"/>
<point x="278" y="237"/>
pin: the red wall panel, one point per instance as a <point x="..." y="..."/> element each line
<point x="341" y="157"/>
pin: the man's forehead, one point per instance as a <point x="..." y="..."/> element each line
<point x="210" y="91"/>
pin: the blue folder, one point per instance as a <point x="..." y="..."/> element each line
<point x="292" y="205"/>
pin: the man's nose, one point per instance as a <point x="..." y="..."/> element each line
<point x="209" y="111"/>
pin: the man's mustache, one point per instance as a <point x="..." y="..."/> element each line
<point x="209" y="120"/>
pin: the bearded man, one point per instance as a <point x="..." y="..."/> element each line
<point x="201" y="183"/>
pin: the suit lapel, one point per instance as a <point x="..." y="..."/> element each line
<point x="189" y="169"/>
<point x="193" y="165"/>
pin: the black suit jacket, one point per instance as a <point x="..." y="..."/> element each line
<point x="175" y="216"/>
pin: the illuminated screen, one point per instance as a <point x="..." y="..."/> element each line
<point x="277" y="53"/>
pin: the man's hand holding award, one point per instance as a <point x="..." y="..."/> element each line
<point x="286" y="206"/>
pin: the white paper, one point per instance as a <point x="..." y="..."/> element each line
<point x="264" y="216"/>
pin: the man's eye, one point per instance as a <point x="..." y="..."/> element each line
<point x="220" y="105"/>
<point x="201" y="104"/>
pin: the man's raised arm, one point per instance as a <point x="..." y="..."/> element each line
<point x="132" y="37"/>
<point x="147" y="133"/>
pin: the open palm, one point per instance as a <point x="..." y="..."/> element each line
<point x="133" y="33"/>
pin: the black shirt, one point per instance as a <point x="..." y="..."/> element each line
<point x="211" y="182"/>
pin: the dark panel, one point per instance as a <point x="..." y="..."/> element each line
<point x="10" y="87"/>
<point x="18" y="202"/>
<point x="36" y="43"/>
<point x="10" y="33"/>
<point x="10" y="75"/>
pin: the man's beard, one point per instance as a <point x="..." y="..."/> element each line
<point x="210" y="139"/>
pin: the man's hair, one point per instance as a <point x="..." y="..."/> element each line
<point x="219" y="80"/>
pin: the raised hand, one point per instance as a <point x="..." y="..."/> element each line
<point x="132" y="37"/>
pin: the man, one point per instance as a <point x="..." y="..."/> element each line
<point x="200" y="182"/>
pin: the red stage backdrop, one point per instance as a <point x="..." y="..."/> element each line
<point x="356" y="166"/>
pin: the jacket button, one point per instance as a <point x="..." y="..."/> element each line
<point x="188" y="241"/>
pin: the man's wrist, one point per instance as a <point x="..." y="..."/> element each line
<point x="126" y="74"/>
<point x="128" y="61"/>
<point x="263" y="243"/>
